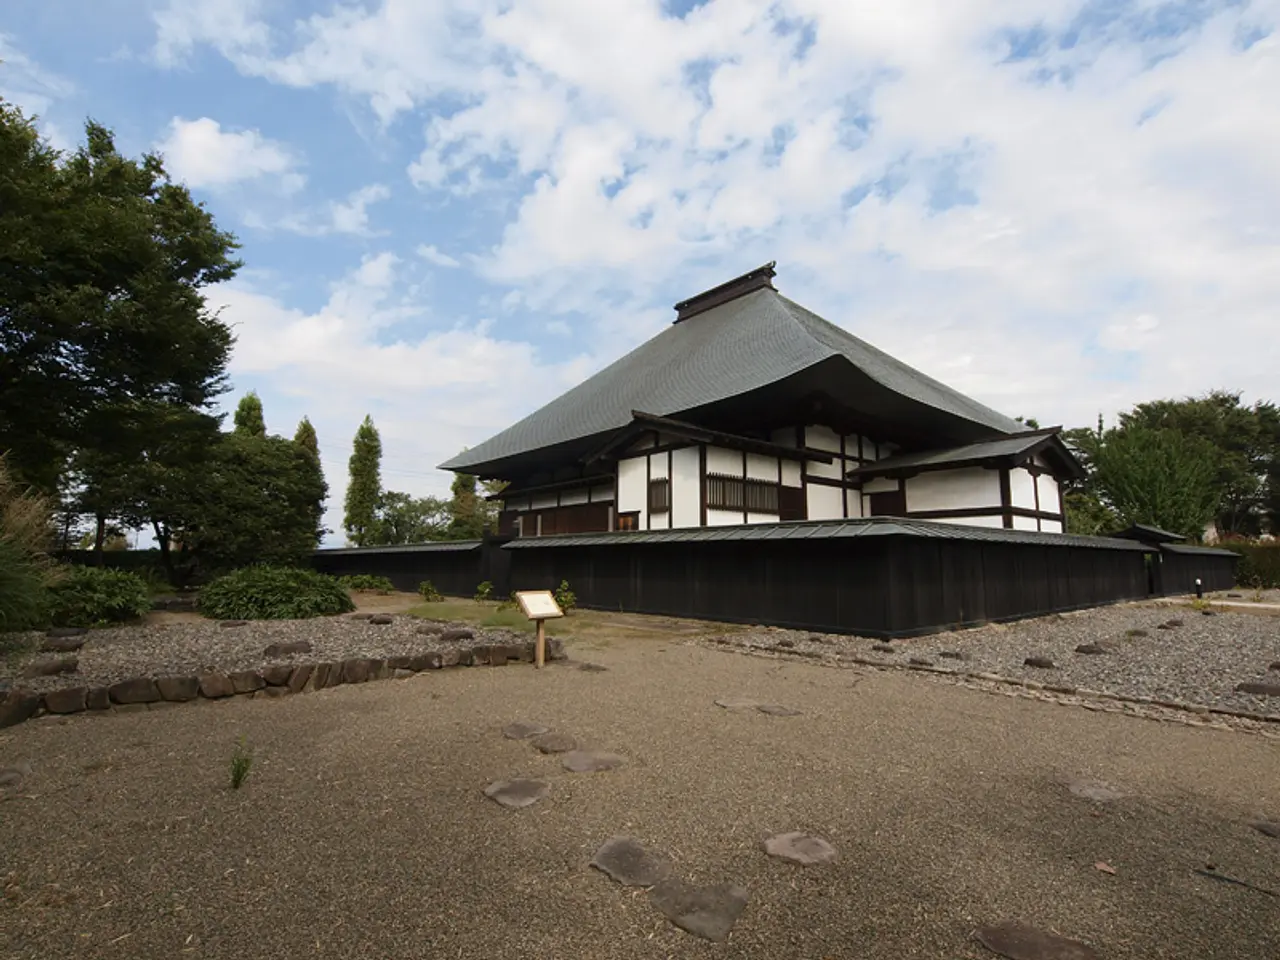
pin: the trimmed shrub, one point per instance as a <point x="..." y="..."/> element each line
<point x="1259" y="564"/>
<point x="96" y="596"/>
<point x="367" y="583"/>
<point x="565" y="597"/>
<point x="274" y="593"/>
<point x="483" y="591"/>
<point x="428" y="592"/>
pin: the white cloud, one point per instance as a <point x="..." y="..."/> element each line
<point x="940" y="182"/>
<point x="349" y="216"/>
<point x="33" y="89"/>
<point x="203" y="155"/>
<point x="429" y="253"/>
<point x="430" y="394"/>
<point x="228" y="25"/>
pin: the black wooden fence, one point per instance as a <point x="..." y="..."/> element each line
<point x="878" y="577"/>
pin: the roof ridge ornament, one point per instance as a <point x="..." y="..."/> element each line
<point x="757" y="279"/>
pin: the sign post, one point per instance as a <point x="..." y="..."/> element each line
<point x="539" y="606"/>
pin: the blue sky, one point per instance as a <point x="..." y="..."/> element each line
<point x="452" y="210"/>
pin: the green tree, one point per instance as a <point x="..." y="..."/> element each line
<point x="250" y="500"/>
<point x="467" y="516"/>
<point x="249" y="420"/>
<point x="305" y="440"/>
<point x="102" y="263"/>
<point x="1246" y="441"/>
<point x="364" y="484"/>
<point x="406" y="519"/>
<point x="1159" y="477"/>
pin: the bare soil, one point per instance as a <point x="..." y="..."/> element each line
<point x="363" y="829"/>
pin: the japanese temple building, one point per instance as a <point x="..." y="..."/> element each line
<point x="750" y="409"/>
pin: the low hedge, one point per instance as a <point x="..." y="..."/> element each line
<point x="1259" y="565"/>
<point x="97" y="596"/>
<point x="367" y="583"/>
<point x="274" y="593"/>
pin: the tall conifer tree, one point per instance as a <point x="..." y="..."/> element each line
<point x="364" y="484"/>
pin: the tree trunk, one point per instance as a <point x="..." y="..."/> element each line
<point x="99" y="538"/>
<point x="166" y="557"/>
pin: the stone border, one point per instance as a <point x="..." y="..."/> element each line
<point x="272" y="680"/>
<point x="1034" y="686"/>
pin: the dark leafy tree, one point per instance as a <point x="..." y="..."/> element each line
<point x="1246" y="443"/>
<point x="305" y="440"/>
<point x="467" y="517"/>
<point x="249" y="420"/>
<point x="1159" y="477"/>
<point x="102" y="263"/>
<point x="406" y="519"/>
<point x="364" y="485"/>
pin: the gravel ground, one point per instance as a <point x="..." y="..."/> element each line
<point x="363" y="829"/>
<point x="193" y="646"/>
<point x="1199" y="661"/>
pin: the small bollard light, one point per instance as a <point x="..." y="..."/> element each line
<point x="1199" y="589"/>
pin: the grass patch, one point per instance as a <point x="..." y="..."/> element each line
<point x="486" y="614"/>
<point x="241" y="763"/>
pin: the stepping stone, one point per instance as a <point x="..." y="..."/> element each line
<point x="523" y="730"/>
<point x="517" y="794"/>
<point x="591" y="761"/>
<point x="777" y="710"/>
<point x="920" y="662"/>
<point x="708" y="912"/>
<point x="65" y="633"/>
<point x="1040" y="663"/>
<point x="381" y="619"/>
<point x="592" y="668"/>
<point x="883" y="648"/>
<point x="11" y="777"/>
<point x="1092" y="649"/>
<point x="1095" y="790"/>
<point x="1274" y="666"/>
<point x="731" y="703"/>
<point x="51" y="668"/>
<point x="555" y="743"/>
<point x="61" y="644"/>
<point x="786" y="644"/>
<point x="1260" y="689"/>
<point x="953" y="655"/>
<point x="801" y="848"/>
<point x="630" y="863"/>
<point x="285" y="649"/>
<point x="1269" y="827"/>
<point x="1018" y="941"/>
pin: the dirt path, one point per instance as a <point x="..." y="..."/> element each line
<point x="363" y="830"/>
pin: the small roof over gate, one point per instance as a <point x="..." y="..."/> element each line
<point x="1002" y="451"/>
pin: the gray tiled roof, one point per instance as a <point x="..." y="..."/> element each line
<point x="740" y="346"/>
<point x="808" y="530"/>
<point x="985" y="450"/>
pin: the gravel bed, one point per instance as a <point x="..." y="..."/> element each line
<point x="193" y="647"/>
<point x="1200" y="660"/>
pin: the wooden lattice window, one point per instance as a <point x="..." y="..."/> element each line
<point x="736" y="493"/>
<point x="659" y="495"/>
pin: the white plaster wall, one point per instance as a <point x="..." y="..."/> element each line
<point x="570" y="497"/>
<point x="657" y="466"/>
<point x="823" y="438"/>
<point x="996" y="522"/>
<point x="543" y="500"/>
<point x="633" y="493"/>
<point x="952" y="489"/>
<point x="1022" y="489"/>
<point x="723" y="518"/>
<point x="720" y="460"/>
<point x="1050" y="526"/>
<point x="602" y="493"/>
<point x="880" y="485"/>
<point x="760" y="467"/>
<point x="1025" y="523"/>
<point x="854" y="500"/>
<point x="762" y="518"/>
<point x="686" y="488"/>
<point x="791" y="474"/>
<point x="1048" y="493"/>
<point x="825" y="503"/>
<point x="659" y="520"/>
